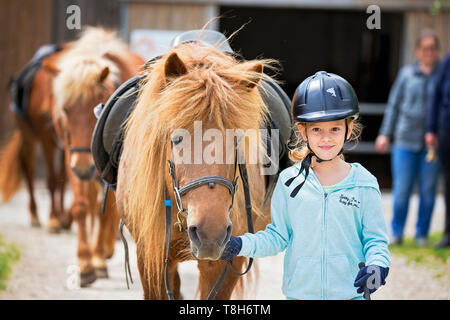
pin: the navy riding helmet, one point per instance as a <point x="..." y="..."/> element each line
<point x="324" y="97"/>
<point x="319" y="98"/>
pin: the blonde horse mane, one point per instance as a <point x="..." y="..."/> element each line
<point x="215" y="87"/>
<point x="82" y="65"/>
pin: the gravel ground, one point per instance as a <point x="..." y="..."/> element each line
<point x="48" y="265"/>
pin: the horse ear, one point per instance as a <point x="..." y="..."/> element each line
<point x="174" y="67"/>
<point x="50" y="67"/>
<point x="103" y="75"/>
<point x="253" y="81"/>
<point x="110" y="56"/>
<point x="114" y="59"/>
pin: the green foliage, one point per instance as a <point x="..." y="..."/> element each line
<point x="8" y="254"/>
<point x="438" y="5"/>
<point x="438" y="260"/>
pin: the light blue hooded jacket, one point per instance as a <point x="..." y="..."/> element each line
<point x="325" y="235"/>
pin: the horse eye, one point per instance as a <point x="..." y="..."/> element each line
<point x="176" y="140"/>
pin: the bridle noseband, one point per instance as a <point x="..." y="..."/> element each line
<point x="75" y="149"/>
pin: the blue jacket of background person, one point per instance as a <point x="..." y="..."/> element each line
<point x="407" y="106"/>
<point x="438" y="117"/>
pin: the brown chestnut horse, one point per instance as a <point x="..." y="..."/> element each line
<point x="193" y="84"/>
<point x="87" y="75"/>
<point x="18" y="154"/>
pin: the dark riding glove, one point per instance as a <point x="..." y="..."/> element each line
<point x="232" y="248"/>
<point x="372" y="277"/>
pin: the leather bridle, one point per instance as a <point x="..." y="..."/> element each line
<point x="75" y="149"/>
<point x="85" y="149"/>
<point x="178" y="193"/>
<point x="211" y="181"/>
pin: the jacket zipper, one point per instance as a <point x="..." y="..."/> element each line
<point x="324" y="239"/>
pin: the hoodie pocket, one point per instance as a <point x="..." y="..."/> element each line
<point x="340" y="278"/>
<point x="305" y="282"/>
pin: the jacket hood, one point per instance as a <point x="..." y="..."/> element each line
<point x="358" y="177"/>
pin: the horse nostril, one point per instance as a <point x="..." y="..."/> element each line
<point x="228" y="236"/>
<point x="92" y="170"/>
<point x="84" y="175"/>
<point x="192" y="232"/>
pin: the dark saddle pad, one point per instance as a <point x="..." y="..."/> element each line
<point x="107" y="138"/>
<point x="20" y="84"/>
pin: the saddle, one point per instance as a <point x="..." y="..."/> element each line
<point x="108" y="134"/>
<point x="20" y="84"/>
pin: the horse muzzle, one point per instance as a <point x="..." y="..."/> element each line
<point x="206" y="246"/>
<point x="86" y="174"/>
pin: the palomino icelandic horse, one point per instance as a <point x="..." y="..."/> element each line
<point x="193" y="84"/>
<point x="86" y="76"/>
<point x="35" y="127"/>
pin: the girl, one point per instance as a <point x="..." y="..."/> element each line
<point x="325" y="212"/>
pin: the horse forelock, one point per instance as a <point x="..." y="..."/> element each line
<point x="211" y="89"/>
<point x="81" y="65"/>
<point x="78" y="82"/>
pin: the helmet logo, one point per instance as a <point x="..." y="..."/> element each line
<point x="331" y="91"/>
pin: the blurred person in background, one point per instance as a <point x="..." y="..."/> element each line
<point x="405" y="120"/>
<point x="438" y="136"/>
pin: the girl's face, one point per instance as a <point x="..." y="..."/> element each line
<point x="326" y="139"/>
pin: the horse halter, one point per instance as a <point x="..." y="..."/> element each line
<point x="75" y="149"/>
<point x="210" y="180"/>
<point x="97" y="115"/>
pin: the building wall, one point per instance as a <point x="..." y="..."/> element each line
<point x="415" y="21"/>
<point x="166" y="16"/>
<point x="26" y="25"/>
<point x="105" y="13"/>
